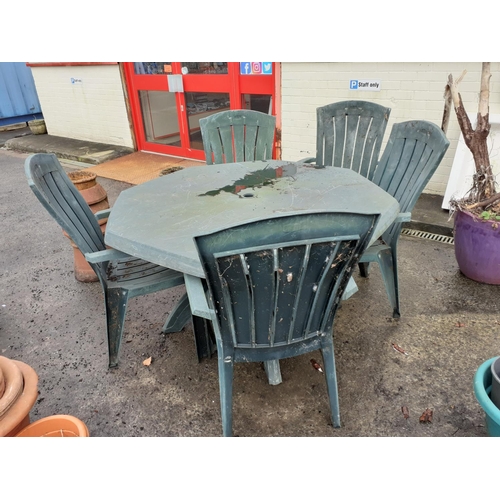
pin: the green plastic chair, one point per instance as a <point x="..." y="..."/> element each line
<point x="349" y="135"/>
<point x="237" y="135"/>
<point x="272" y="289"/>
<point x="121" y="275"/>
<point x="413" y="153"/>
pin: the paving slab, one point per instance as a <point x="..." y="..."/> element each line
<point x="11" y="131"/>
<point x="88" y="152"/>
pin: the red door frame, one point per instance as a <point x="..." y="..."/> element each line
<point x="232" y="83"/>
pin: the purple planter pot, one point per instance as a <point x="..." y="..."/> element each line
<point x="477" y="248"/>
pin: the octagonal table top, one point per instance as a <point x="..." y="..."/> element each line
<point x="158" y="220"/>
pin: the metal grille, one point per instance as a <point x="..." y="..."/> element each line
<point x="427" y="236"/>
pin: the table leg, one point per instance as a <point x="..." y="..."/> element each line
<point x="205" y="346"/>
<point x="273" y="371"/>
<point x="272" y="368"/>
<point x="180" y="316"/>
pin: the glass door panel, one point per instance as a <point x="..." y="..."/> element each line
<point x="204" y="68"/>
<point x="159" y="117"/>
<point x="152" y="68"/>
<point x="257" y="102"/>
<point x="200" y="105"/>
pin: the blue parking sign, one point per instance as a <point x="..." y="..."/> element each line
<point x="353" y="85"/>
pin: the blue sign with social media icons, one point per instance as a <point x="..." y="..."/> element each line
<point x="256" y="68"/>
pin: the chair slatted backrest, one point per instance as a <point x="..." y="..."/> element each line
<point x="59" y="196"/>
<point x="237" y="135"/>
<point x="413" y="153"/>
<point x="278" y="282"/>
<point x="349" y="135"/>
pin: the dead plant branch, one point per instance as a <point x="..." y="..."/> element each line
<point x="484" y="186"/>
<point x="447" y="109"/>
<point x="483" y="204"/>
<point x="484" y="95"/>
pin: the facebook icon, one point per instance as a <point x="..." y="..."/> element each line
<point x="353" y="85"/>
<point x="245" y="68"/>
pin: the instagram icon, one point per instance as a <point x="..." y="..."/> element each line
<point x="256" y="68"/>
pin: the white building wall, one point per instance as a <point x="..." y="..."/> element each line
<point x="414" y="91"/>
<point x="91" y="109"/>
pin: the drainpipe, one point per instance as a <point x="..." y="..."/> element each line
<point x="277" y="109"/>
<point x="127" y="104"/>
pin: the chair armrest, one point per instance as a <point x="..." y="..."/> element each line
<point x="197" y="298"/>
<point x="105" y="255"/>
<point x="403" y="217"/>
<point x="102" y="214"/>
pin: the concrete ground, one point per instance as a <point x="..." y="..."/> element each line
<point x="56" y="324"/>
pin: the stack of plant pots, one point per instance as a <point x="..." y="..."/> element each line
<point x="97" y="199"/>
<point x="18" y="393"/>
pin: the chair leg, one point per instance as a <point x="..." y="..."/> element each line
<point x="179" y="317"/>
<point x="388" y="267"/>
<point x="203" y="338"/>
<point x="394" y="248"/>
<point x="364" y="269"/>
<point x="331" y="380"/>
<point x="225" y="363"/>
<point x="116" y="308"/>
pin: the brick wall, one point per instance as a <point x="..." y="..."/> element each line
<point x="414" y="91"/>
<point x="92" y="108"/>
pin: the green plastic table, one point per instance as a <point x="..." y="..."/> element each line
<point x="158" y="220"/>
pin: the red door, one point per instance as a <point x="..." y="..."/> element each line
<point x="169" y="98"/>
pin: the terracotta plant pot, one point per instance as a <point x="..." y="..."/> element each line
<point x="15" y="414"/>
<point x="83" y="270"/>
<point x="97" y="199"/>
<point x="56" y="426"/>
<point x="2" y="384"/>
<point x="93" y="193"/>
<point x="477" y="247"/>
<point x="13" y="384"/>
